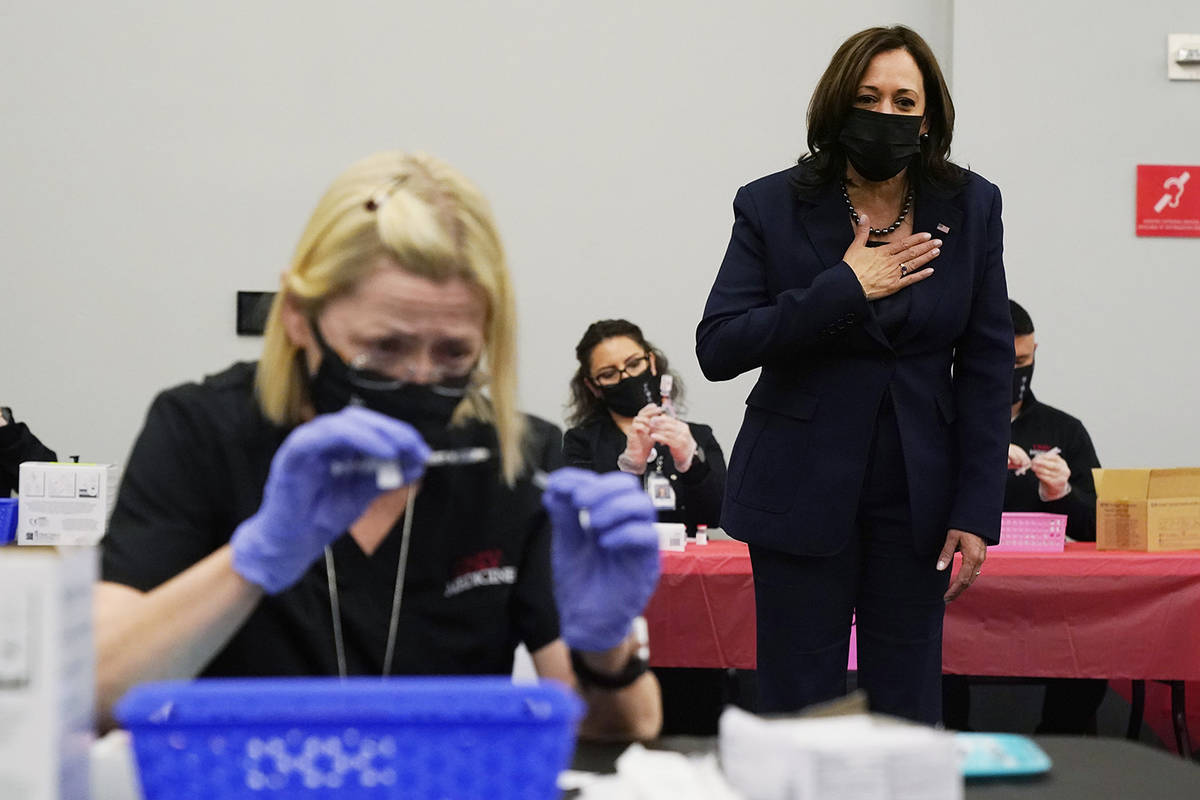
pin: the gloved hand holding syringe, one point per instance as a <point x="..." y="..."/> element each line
<point x="604" y="545"/>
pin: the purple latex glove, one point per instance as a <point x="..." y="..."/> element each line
<point x="604" y="573"/>
<point x="305" y="507"/>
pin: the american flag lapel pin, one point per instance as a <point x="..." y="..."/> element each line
<point x="943" y="228"/>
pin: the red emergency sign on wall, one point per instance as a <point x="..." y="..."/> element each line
<point x="1168" y="200"/>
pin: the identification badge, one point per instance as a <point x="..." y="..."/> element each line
<point x="662" y="494"/>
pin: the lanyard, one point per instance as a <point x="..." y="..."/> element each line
<point x="339" y="643"/>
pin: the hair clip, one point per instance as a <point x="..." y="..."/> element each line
<point x="381" y="195"/>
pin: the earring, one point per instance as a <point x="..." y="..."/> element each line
<point x="924" y="138"/>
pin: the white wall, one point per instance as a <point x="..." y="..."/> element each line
<point x="159" y="157"/>
<point x="1057" y="103"/>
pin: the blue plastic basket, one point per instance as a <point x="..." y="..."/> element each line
<point x="8" y="519"/>
<point x="422" y="738"/>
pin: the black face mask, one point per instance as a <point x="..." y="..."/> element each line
<point x="630" y="395"/>
<point x="336" y="385"/>
<point x="1022" y="377"/>
<point x="880" y="145"/>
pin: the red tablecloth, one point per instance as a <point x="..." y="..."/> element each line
<point x="1076" y="614"/>
<point x="702" y="614"/>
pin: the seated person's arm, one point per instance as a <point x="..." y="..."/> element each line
<point x="168" y="598"/>
<point x="172" y="631"/>
<point x="1066" y="485"/>
<point x="632" y="712"/>
<point x="704" y="484"/>
<point x="577" y="451"/>
<point x="544" y="444"/>
<point x="604" y="574"/>
<point x="700" y="464"/>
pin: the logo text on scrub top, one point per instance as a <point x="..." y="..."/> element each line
<point x="481" y="569"/>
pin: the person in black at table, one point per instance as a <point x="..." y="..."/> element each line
<point x="1039" y="478"/>
<point x="253" y="537"/>
<point x="17" y="445"/>
<point x="1050" y="464"/>
<point x="618" y="421"/>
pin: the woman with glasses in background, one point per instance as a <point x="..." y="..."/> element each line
<point x="383" y="406"/>
<point x="620" y="422"/>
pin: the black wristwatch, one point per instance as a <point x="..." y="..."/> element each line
<point x="634" y="669"/>
<point x="639" y="662"/>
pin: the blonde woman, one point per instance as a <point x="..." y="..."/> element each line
<point x="392" y="337"/>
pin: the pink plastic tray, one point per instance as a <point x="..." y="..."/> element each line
<point x="1031" y="532"/>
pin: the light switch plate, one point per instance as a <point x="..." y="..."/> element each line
<point x="1175" y="43"/>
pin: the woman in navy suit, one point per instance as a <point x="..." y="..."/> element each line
<point x="873" y="445"/>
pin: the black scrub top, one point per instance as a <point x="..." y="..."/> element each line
<point x="478" y="578"/>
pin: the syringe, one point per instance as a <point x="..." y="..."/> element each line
<point x="1053" y="451"/>
<point x="388" y="474"/>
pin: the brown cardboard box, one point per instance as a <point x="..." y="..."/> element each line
<point x="1147" y="509"/>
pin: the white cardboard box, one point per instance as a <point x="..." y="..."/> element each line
<point x="47" y="672"/>
<point x="671" y="536"/>
<point x="65" y="503"/>
<point x="856" y="756"/>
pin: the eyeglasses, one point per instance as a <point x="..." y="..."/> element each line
<point x="634" y="366"/>
<point x="399" y="361"/>
<point x="453" y="380"/>
<point x="383" y="371"/>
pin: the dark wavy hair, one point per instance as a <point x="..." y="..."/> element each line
<point x="832" y="99"/>
<point x="583" y="405"/>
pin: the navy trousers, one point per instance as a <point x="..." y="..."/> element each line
<point x="805" y="605"/>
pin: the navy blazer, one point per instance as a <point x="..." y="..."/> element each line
<point x="785" y="301"/>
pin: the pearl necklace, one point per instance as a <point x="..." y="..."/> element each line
<point x="880" y="231"/>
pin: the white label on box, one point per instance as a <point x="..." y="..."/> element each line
<point x="671" y="535"/>
<point x="72" y="507"/>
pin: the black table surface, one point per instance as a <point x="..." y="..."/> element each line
<point x="1084" y="768"/>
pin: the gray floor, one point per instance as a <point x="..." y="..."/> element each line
<point x="1016" y="708"/>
